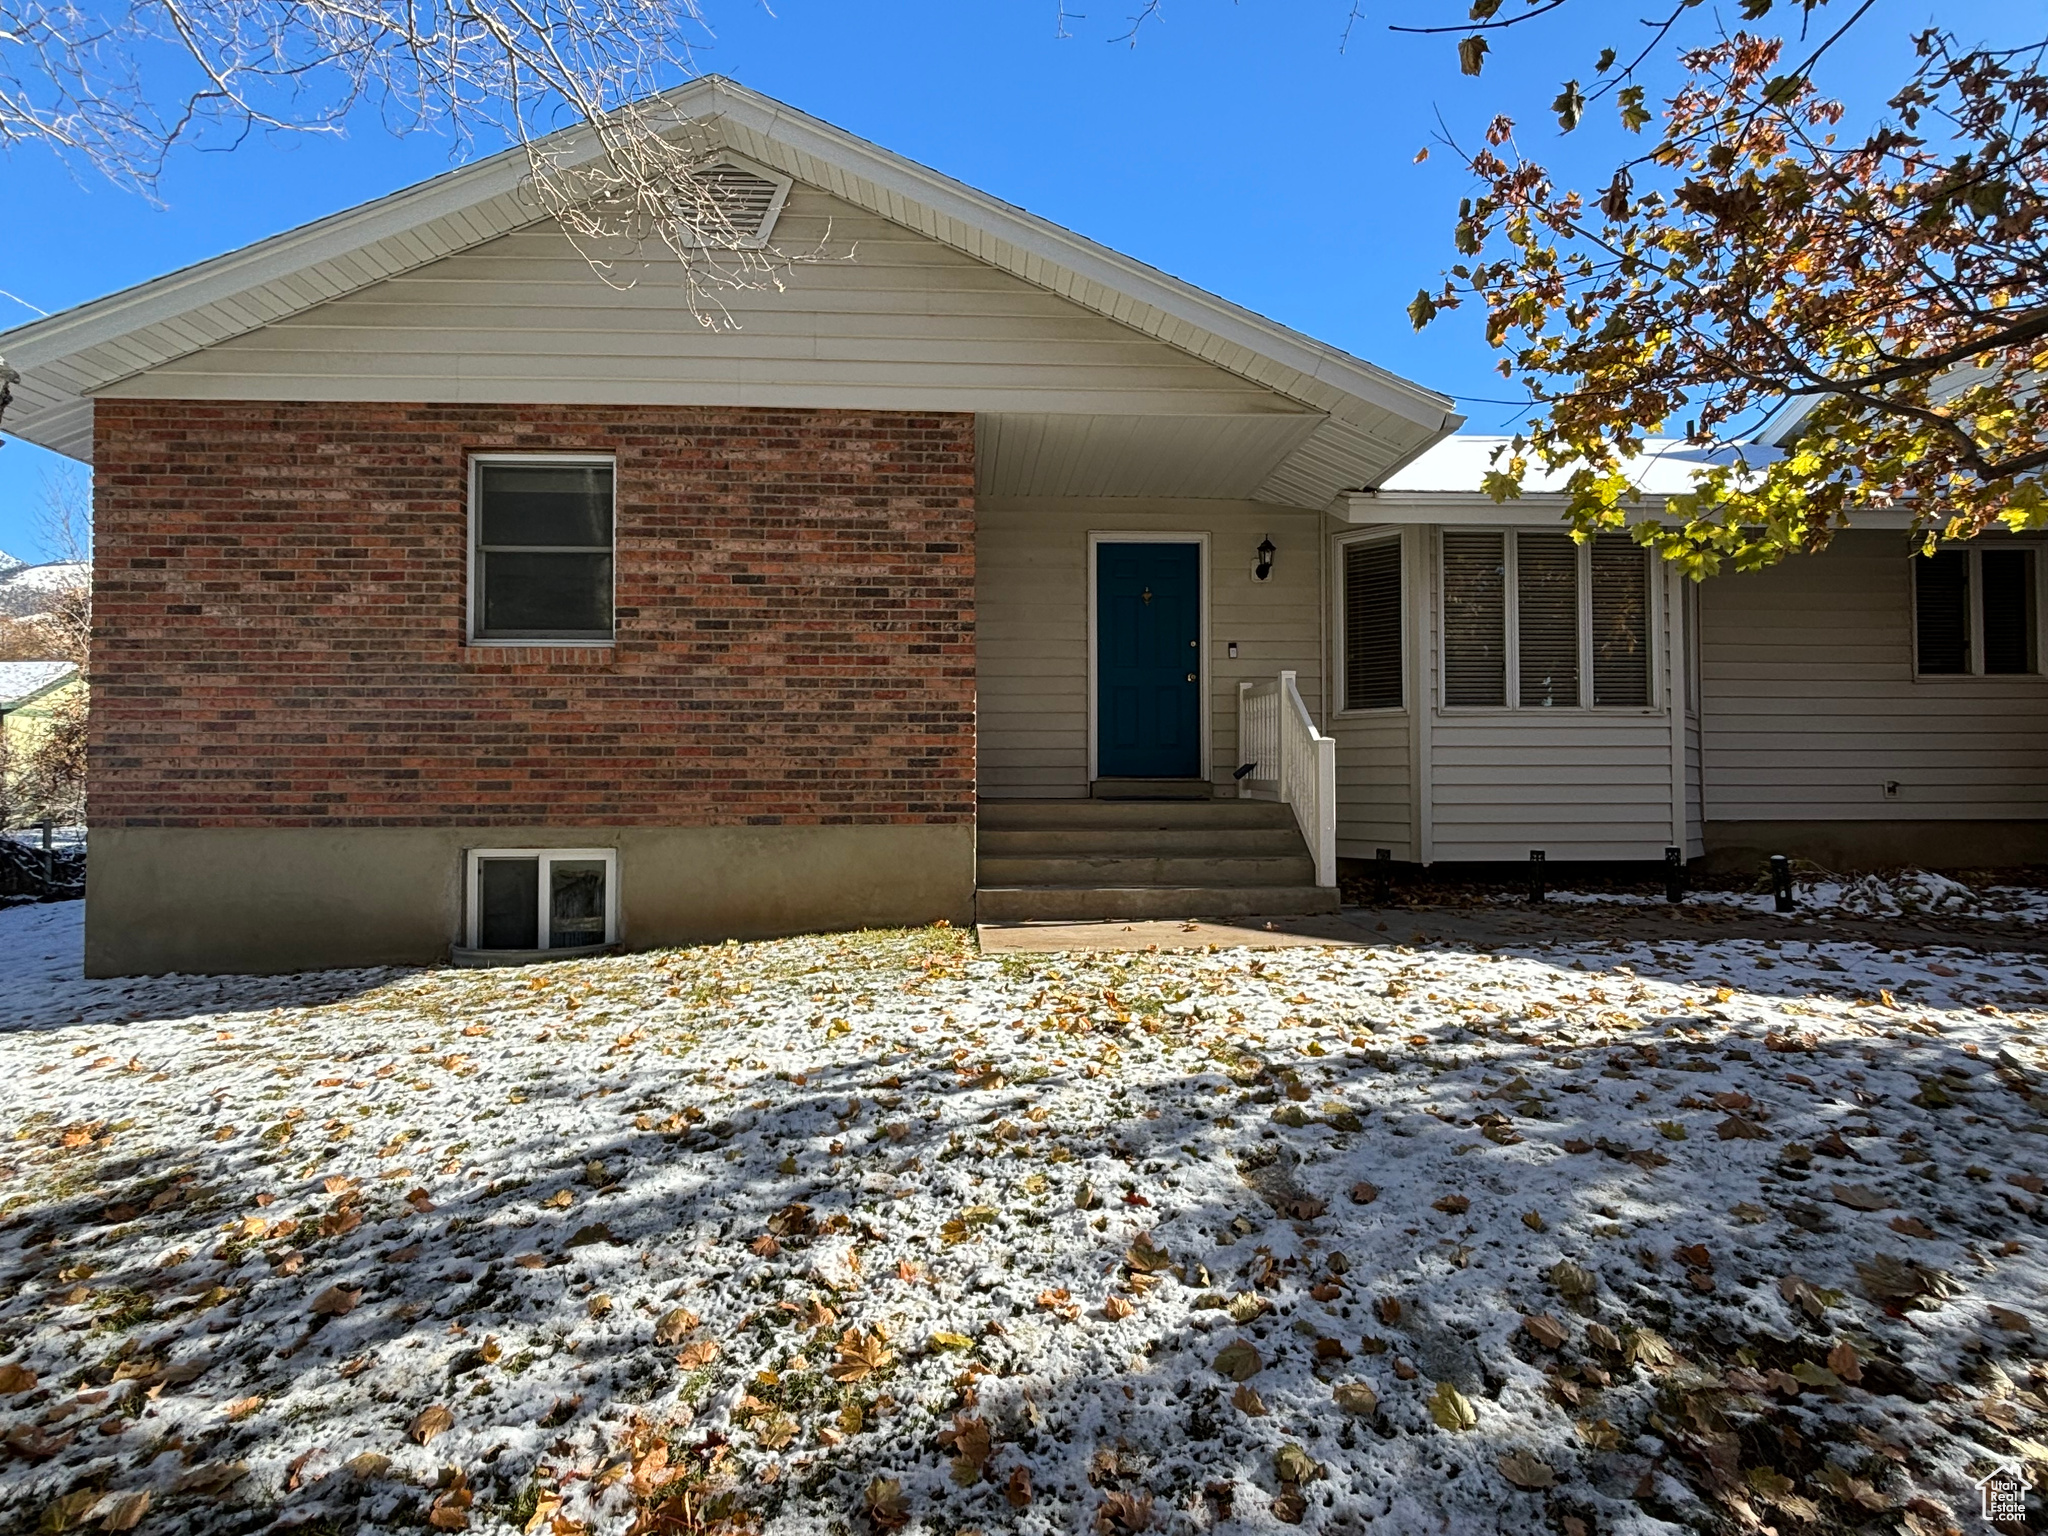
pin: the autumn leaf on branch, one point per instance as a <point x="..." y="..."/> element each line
<point x="1882" y="292"/>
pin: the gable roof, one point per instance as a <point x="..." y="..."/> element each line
<point x="1372" y="420"/>
<point x="21" y="681"/>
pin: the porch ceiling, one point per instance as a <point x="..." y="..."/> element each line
<point x="1224" y="457"/>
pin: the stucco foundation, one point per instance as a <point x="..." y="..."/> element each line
<point x="1744" y="846"/>
<point x="265" y="900"/>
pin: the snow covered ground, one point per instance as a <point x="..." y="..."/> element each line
<point x="867" y="1232"/>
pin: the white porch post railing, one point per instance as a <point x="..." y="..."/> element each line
<point x="1291" y="761"/>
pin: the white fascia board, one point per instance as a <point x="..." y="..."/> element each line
<point x="1454" y="510"/>
<point x="1052" y="257"/>
<point x="220" y="279"/>
<point x="1451" y="510"/>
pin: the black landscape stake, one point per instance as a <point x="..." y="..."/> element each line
<point x="1781" y="881"/>
<point x="1674" y="875"/>
<point x="1382" y="876"/>
<point x="1535" y="874"/>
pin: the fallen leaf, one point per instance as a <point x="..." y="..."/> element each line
<point x="1888" y="1280"/>
<point x="1545" y="1330"/>
<point x="211" y="1478"/>
<point x="596" y="1232"/>
<point x="1123" y="1512"/>
<point x="1356" y="1397"/>
<point x="1858" y="1197"/>
<point x="1292" y="1464"/>
<point x="1525" y="1470"/>
<point x="430" y="1422"/>
<point x="1735" y="1128"/>
<point x="2011" y="1321"/>
<point x="1453" y="1205"/>
<point x="860" y="1355"/>
<point x="1017" y="1488"/>
<point x="126" y="1511"/>
<point x="1913" y="1226"/>
<point x="1363" y="1193"/>
<point x="884" y="1504"/>
<point x="1451" y="1409"/>
<point x="16" y="1378"/>
<point x="1845" y="1362"/>
<point x="1116" y="1309"/>
<point x="695" y="1356"/>
<point x="1573" y="1281"/>
<point x="1246" y="1400"/>
<point x="675" y="1325"/>
<point x="337" y="1301"/>
<point x="1239" y="1361"/>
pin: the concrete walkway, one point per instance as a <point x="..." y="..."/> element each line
<point x="1509" y="925"/>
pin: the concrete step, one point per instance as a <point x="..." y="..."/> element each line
<point x="1024" y="903"/>
<point x="1013" y="815"/>
<point x="1141" y="842"/>
<point x="1151" y="789"/>
<point x="1287" y="869"/>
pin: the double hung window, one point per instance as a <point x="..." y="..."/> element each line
<point x="541" y="557"/>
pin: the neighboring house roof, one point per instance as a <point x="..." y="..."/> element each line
<point x="1330" y="422"/>
<point x="1458" y="466"/>
<point x="22" y="681"/>
<point x="29" y="589"/>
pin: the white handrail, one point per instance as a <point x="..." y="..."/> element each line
<point x="1290" y="761"/>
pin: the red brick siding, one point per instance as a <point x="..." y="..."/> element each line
<point x="279" y="621"/>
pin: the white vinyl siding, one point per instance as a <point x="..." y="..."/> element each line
<point x="1579" y="784"/>
<point x="1031" y="626"/>
<point x="889" y="320"/>
<point x="1810" y="703"/>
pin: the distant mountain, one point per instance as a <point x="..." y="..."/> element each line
<point x="27" y="589"/>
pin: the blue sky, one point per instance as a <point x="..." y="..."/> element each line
<point x="1245" y="147"/>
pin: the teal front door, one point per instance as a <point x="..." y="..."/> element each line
<point x="1148" y="665"/>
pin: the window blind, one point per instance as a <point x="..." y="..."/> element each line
<point x="2008" y="594"/>
<point x="1621" y="623"/>
<point x="1547" y="619"/>
<point x="543" y="552"/>
<point x="1475" y="619"/>
<point x="1941" y="606"/>
<point x="1372" y="625"/>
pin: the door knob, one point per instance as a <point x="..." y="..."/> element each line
<point x="1191" y="677"/>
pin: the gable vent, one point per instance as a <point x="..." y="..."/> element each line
<point x="734" y="205"/>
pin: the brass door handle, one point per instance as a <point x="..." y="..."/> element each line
<point x="1191" y="677"/>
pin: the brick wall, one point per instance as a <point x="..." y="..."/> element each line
<point x="279" y="621"/>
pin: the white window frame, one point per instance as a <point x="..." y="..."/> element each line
<point x="1975" y="598"/>
<point x="473" y="917"/>
<point x="1654" y="692"/>
<point x="1341" y="602"/>
<point x="471" y="619"/>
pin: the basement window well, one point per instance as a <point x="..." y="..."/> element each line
<point x="539" y="904"/>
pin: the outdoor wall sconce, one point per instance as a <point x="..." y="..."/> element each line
<point x="1265" y="566"/>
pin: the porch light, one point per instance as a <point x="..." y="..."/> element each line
<point x="1265" y="566"/>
